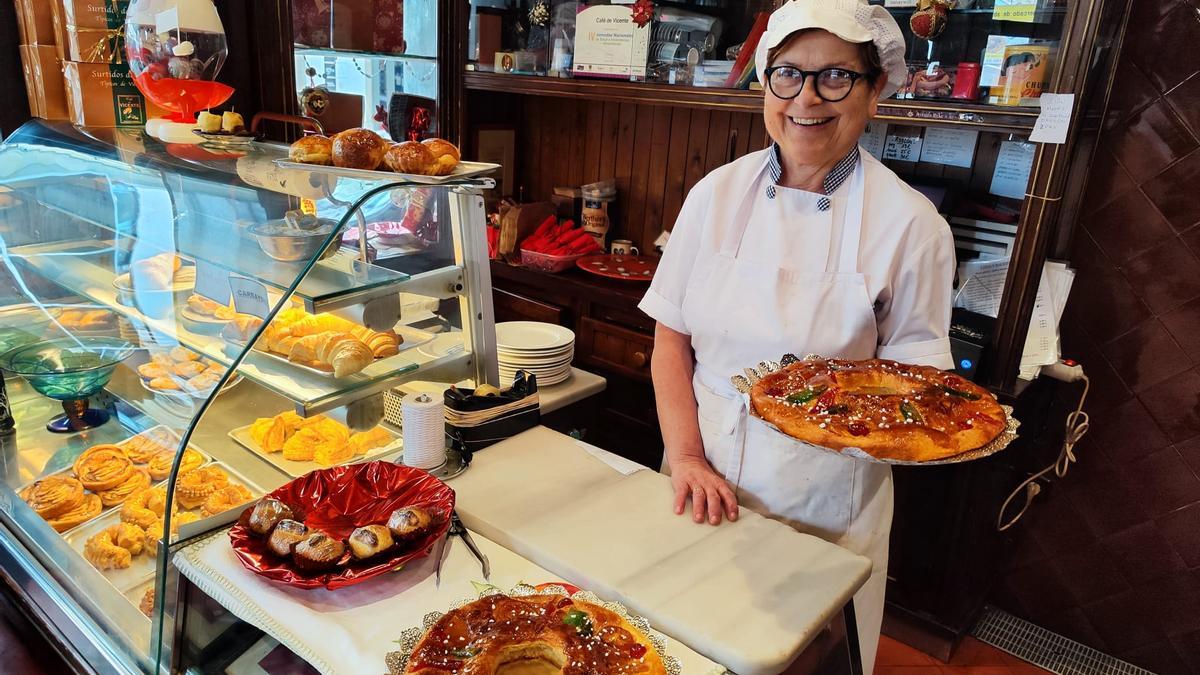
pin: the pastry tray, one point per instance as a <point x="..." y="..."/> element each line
<point x="295" y="469"/>
<point x="413" y="337"/>
<point x="462" y="171"/>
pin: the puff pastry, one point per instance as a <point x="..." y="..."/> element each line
<point x="53" y="496"/>
<point x="141" y="449"/>
<point x="160" y="464"/>
<point x="193" y="488"/>
<point x="223" y="499"/>
<point x="138" y="480"/>
<point x="155" y="531"/>
<point x="89" y="507"/>
<point x="145" y="507"/>
<point x="103" y="467"/>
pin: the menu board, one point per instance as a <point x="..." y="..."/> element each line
<point x="952" y="147"/>
<point x="903" y="144"/>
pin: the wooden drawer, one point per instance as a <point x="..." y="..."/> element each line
<point x="615" y="348"/>
<point x="513" y="307"/>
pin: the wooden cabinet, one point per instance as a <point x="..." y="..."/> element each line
<point x="614" y="348"/>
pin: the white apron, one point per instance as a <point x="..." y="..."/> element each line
<point x="752" y="311"/>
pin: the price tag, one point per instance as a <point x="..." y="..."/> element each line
<point x="1024" y="11"/>
<point x="873" y="139"/>
<point x="1011" y="177"/>
<point x="1054" y="120"/>
<point x="212" y="282"/>
<point x="952" y="147"/>
<point x="249" y="297"/>
<point x="903" y="145"/>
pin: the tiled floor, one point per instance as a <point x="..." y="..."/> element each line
<point x="972" y="658"/>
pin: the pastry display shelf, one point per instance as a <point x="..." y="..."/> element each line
<point x="320" y="52"/>
<point x="310" y="392"/>
<point x="1003" y="119"/>
<point x="337" y="282"/>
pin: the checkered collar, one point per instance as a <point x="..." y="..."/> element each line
<point x="841" y="171"/>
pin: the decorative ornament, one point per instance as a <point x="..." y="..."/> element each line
<point x="643" y="12"/>
<point x="930" y="18"/>
<point x="381" y="116"/>
<point x="314" y="99"/>
<point x="539" y="14"/>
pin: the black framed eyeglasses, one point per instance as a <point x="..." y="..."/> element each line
<point x="832" y="84"/>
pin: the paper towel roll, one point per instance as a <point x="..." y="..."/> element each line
<point x="424" y="431"/>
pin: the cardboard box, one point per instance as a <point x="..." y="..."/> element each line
<point x="60" y="29"/>
<point x="48" y="93"/>
<point x="104" y="95"/>
<point x="369" y="25"/>
<point x="31" y="89"/>
<point x="310" y="22"/>
<point x="35" y="19"/>
<point x="94" y="30"/>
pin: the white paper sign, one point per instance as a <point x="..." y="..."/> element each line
<point x="874" y="138"/>
<point x="1011" y="178"/>
<point x="953" y="147"/>
<point x="249" y="297"/>
<point x="166" y="21"/>
<point x="609" y="44"/>
<point x="212" y="282"/>
<point x="1054" y="120"/>
<point x="904" y="145"/>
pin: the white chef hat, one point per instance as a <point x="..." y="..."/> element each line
<point x="852" y="20"/>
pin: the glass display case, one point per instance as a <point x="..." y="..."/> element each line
<point x="185" y="328"/>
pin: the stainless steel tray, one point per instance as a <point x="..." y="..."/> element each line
<point x="413" y="337"/>
<point x="463" y="170"/>
<point x="296" y="469"/>
<point x="121" y="580"/>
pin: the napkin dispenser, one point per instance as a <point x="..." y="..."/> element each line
<point x="473" y="421"/>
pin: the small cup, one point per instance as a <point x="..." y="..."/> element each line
<point x="624" y="247"/>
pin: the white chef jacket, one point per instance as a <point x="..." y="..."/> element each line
<point x="906" y="254"/>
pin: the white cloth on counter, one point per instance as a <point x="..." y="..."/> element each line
<point x="352" y="629"/>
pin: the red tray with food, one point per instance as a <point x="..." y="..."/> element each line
<point x="341" y="526"/>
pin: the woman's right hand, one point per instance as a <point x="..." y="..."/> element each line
<point x="711" y="495"/>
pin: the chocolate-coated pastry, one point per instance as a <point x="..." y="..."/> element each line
<point x="409" y="523"/>
<point x="410" y="157"/>
<point x="266" y="514"/>
<point x="358" y="149"/>
<point x="445" y="156"/>
<point x="370" y="540"/>
<point x="312" y="150"/>
<point x="317" y="552"/>
<point x="287" y="534"/>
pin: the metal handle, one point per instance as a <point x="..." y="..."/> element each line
<point x="640" y="360"/>
<point x="305" y="122"/>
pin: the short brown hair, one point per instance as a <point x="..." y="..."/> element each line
<point x="867" y="51"/>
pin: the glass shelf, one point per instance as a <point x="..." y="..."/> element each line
<point x="302" y="50"/>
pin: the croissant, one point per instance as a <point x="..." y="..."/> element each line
<point x="304" y="350"/>
<point x="320" y="323"/>
<point x="381" y="344"/>
<point x="346" y="354"/>
<point x="241" y="328"/>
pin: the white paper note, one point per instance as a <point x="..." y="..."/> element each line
<point x="212" y="282"/>
<point x="249" y="297"/>
<point x="953" y="147"/>
<point x="903" y="145"/>
<point x="1054" y="120"/>
<point x="874" y="138"/>
<point x="1011" y="178"/>
<point x="982" y="286"/>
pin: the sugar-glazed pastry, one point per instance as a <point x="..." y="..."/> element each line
<point x="409" y="523"/>
<point x="193" y="488"/>
<point x="155" y="531"/>
<point x="53" y="496"/>
<point x="160" y="465"/>
<point x="266" y="514"/>
<point x="145" y="507"/>
<point x="153" y="371"/>
<point x="370" y="540"/>
<point x="141" y="449"/>
<point x="138" y="480"/>
<point x="103" y="467"/>
<point x="225" y="498"/>
<point x="103" y="552"/>
<point x="88" y="508"/>
<point x="285" y="536"/>
<point x="147" y="603"/>
<point x="317" y="552"/>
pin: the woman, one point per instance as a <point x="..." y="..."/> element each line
<point x="810" y="246"/>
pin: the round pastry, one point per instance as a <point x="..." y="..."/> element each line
<point x="160" y="464"/>
<point x="285" y="536"/>
<point x="314" y="149"/>
<point x="186" y="369"/>
<point x="498" y="633"/>
<point x="370" y="540"/>
<point x="889" y="410"/>
<point x="182" y="354"/>
<point x="317" y="552"/>
<point x="138" y="480"/>
<point x="145" y="507"/>
<point x="147" y="603"/>
<point x="102" y="550"/>
<point x="409" y="523"/>
<point x="193" y="488"/>
<point x="141" y="449"/>
<point x="224" y="499"/>
<point x="266" y="514"/>
<point x="89" y="507"/>
<point x="153" y="371"/>
<point x="155" y="531"/>
<point x="410" y="157"/>
<point x="103" y="467"/>
<point x="358" y="149"/>
<point x="445" y="156"/>
<point x="53" y="496"/>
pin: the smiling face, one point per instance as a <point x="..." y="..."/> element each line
<point x="809" y="130"/>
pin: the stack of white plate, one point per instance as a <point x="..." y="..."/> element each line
<point x="543" y="349"/>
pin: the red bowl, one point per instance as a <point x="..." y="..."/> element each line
<point x="337" y="500"/>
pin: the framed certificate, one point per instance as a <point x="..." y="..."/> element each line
<point x="609" y="44"/>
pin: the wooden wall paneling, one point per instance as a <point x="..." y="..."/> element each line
<point x="527" y="149"/>
<point x="546" y="151"/>
<point x="561" y="142"/>
<point x="677" y="155"/>
<point x="579" y="116"/>
<point x="759" y="138"/>
<point x="623" y="169"/>
<point x="717" y="152"/>
<point x="608" y="140"/>
<point x="595" y="138"/>
<point x="697" y="149"/>
<point x="656" y="179"/>
<point x="635" y="217"/>
<point x="740" y="125"/>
